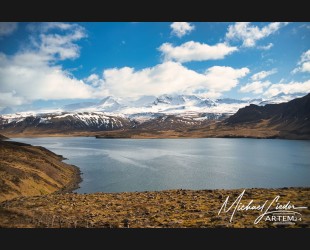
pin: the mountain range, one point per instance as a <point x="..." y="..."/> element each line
<point x="164" y="113"/>
<point x="165" y="104"/>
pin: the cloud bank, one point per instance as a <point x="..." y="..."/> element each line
<point x="250" y="34"/>
<point x="288" y="88"/>
<point x="255" y="87"/>
<point x="33" y="73"/>
<point x="168" y="78"/>
<point x="195" y="51"/>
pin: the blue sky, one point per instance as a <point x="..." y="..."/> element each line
<point x="53" y="64"/>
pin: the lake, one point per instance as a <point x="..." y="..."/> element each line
<point x="123" y="165"/>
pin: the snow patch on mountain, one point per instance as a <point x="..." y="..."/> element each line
<point x="282" y="98"/>
<point x="144" y="109"/>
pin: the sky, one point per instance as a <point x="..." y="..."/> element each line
<point x="46" y="65"/>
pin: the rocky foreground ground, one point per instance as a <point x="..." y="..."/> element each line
<point x="163" y="209"/>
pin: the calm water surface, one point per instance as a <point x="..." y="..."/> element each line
<point x="118" y="165"/>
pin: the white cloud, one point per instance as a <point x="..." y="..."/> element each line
<point x="250" y="34"/>
<point x="33" y="73"/>
<point x="7" y="28"/>
<point x="32" y="79"/>
<point x="305" y="57"/>
<point x="195" y="51"/>
<point x="61" y="46"/>
<point x="169" y="78"/>
<point x="10" y="99"/>
<point x="255" y="87"/>
<point x="94" y="80"/>
<point x="304" y="63"/>
<point x="266" y="47"/>
<point x="47" y="26"/>
<point x="263" y="74"/>
<point x="288" y="88"/>
<point x="181" y="28"/>
<point x="305" y="67"/>
<point x="221" y="78"/>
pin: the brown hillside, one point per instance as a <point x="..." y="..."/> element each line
<point x="26" y="170"/>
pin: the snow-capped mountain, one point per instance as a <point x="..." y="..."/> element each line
<point x="63" y="122"/>
<point x="147" y="107"/>
<point x="110" y="113"/>
<point x="170" y="100"/>
<point x="165" y="104"/>
<point x="78" y="106"/>
<point x="282" y="98"/>
<point x="184" y="104"/>
<point x="107" y="104"/>
<point x="230" y="101"/>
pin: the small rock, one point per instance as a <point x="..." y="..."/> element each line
<point x="183" y="206"/>
<point x="125" y="223"/>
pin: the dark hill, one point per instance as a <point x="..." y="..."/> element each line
<point x="290" y="118"/>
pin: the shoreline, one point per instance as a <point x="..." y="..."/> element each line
<point x="169" y="134"/>
<point x="28" y="170"/>
<point x="73" y="183"/>
<point x="139" y="137"/>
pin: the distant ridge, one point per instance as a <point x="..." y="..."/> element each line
<point x="292" y="117"/>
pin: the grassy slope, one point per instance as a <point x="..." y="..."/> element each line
<point x="26" y="170"/>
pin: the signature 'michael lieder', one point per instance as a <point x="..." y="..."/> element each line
<point x="266" y="208"/>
